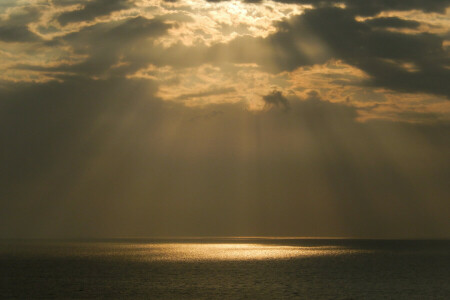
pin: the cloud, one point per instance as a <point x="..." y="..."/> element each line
<point x="15" y="27"/>
<point x="378" y="53"/>
<point x="393" y="60"/>
<point x="276" y="98"/>
<point x="210" y="92"/>
<point x="64" y="3"/>
<point x="373" y="7"/>
<point x="116" y="47"/>
<point x="369" y="7"/>
<point x="392" y="22"/>
<point x="17" y="34"/>
<point x="92" y="10"/>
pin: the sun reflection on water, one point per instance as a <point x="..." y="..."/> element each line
<point x="228" y="251"/>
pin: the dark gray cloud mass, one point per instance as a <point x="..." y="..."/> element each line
<point x="379" y="53"/>
<point x="373" y="7"/>
<point x="392" y="22"/>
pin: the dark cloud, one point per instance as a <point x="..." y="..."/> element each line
<point x="92" y="10"/>
<point x="15" y="27"/>
<point x="68" y="2"/>
<point x="381" y="54"/>
<point x="114" y="47"/>
<point x="369" y="7"/>
<point x="392" y="22"/>
<point x="17" y="34"/>
<point x="373" y="7"/>
<point x="23" y="15"/>
<point x="276" y="98"/>
<point x="210" y="92"/>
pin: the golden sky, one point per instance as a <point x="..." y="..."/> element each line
<point x="253" y="110"/>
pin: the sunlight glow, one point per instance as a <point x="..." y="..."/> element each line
<point x="227" y="251"/>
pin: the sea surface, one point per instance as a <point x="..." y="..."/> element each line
<point x="225" y="268"/>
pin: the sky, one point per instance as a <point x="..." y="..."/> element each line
<point x="136" y="118"/>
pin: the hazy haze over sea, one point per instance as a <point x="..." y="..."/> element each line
<point x="236" y="268"/>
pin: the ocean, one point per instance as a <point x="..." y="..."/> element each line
<point x="225" y="268"/>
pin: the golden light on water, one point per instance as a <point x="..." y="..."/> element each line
<point x="226" y="251"/>
<point x="189" y="251"/>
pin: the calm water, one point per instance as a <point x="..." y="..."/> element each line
<point x="225" y="269"/>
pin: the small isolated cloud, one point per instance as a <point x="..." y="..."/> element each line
<point x="277" y="99"/>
